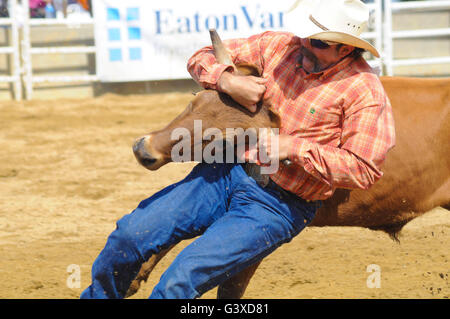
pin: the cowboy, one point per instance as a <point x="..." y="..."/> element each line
<point x="336" y="128"/>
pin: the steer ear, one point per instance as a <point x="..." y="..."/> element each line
<point x="248" y="69"/>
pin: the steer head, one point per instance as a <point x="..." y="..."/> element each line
<point x="214" y="109"/>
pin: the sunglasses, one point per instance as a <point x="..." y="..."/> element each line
<point x="318" y="44"/>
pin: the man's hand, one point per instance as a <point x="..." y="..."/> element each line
<point x="275" y="147"/>
<point x="270" y="148"/>
<point x="245" y="90"/>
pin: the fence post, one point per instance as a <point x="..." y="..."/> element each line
<point x="379" y="30"/>
<point x="26" y="54"/>
<point x="14" y="14"/>
<point x="387" y="38"/>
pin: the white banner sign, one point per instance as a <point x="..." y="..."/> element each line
<point x="139" y="40"/>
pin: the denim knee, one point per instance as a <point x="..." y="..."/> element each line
<point x="123" y="239"/>
<point x="179" y="280"/>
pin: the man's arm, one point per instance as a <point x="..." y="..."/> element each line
<point x="368" y="133"/>
<point x="205" y="69"/>
<point x="246" y="90"/>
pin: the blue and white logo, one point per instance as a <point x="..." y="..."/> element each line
<point x="124" y="39"/>
<point x="141" y="40"/>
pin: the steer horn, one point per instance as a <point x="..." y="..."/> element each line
<point x="222" y="56"/>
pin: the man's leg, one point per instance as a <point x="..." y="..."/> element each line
<point x="180" y="211"/>
<point x="258" y="221"/>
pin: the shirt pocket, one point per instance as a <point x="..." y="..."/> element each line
<point x="321" y="117"/>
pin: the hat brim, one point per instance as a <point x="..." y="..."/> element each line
<point x="345" y="38"/>
<point x="303" y="27"/>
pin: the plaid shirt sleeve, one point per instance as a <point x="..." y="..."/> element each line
<point x="205" y="70"/>
<point x="367" y="135"/>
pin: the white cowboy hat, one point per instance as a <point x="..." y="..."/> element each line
<point x="341" y="21"/>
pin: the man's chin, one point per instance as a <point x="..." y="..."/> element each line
<point x="307" y="65"/>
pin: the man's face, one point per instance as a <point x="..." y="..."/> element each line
<point x="319" y="59"/>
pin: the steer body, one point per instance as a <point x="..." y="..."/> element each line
<point x="416" y="172"/>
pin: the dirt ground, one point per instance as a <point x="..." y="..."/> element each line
<point x="67" y="174"/>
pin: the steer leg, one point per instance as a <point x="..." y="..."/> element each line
<point x="145" y="271"/>
<point x="234" y="287"/>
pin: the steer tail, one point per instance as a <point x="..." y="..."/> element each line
<point x="222" y="55"/>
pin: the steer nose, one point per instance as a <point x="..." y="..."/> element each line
<point x="138" y="144"/>
<point x="141" y="153"/>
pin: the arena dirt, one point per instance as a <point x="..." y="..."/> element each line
<point x="67" y="174"/>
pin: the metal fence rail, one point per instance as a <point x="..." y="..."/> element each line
<point x="28" y="51"/>
<point x="389" y="35"/>
<point x="376" y="34"/>
<point x="380" y="33"/>
<point x="13" y="50"/>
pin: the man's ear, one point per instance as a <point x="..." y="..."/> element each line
<point x="345" y="50"/>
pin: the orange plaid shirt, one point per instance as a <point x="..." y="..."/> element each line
<point x="341" y="117"/>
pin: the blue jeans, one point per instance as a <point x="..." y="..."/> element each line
<point x="240" y="222"/>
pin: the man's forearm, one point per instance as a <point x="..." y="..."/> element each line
<point x="335" y="166"/>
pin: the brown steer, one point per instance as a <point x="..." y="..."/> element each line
<point x="214" y="109"/>
<point x="416" y="172"/>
